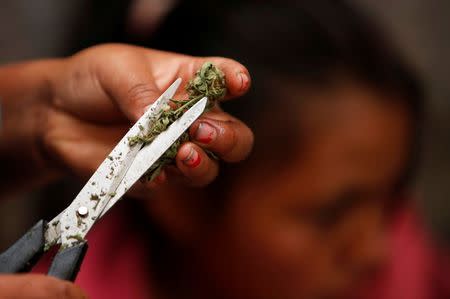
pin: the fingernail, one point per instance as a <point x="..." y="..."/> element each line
<point x="193" y="159"/>
<point x="244" y="80"/>
<point x="205" y="133"/>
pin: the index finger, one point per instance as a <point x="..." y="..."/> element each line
<point x="237" y="77"/>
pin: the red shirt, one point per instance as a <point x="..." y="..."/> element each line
<point x="116" y="264"/>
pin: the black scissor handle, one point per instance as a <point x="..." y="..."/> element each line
<point x="67" y="262"/>
<point x="25" y="252"/>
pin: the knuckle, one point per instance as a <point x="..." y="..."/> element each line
<point x="229" y="140"/>
<point x="237" y="141"/>
<point x="140" y="92"/>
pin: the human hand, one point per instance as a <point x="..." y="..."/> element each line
<point x="96" y="94"/>
<point x="33" y="286"/>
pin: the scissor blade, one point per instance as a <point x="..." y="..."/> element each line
<point x="148" y="155"/>
<point x="79" y="226"/>
<point x="98" y="190"/>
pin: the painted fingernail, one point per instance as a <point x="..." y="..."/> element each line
<point x="244" y="80"/>
<point x="193" y="159"/>
<point x="205" y="133"/>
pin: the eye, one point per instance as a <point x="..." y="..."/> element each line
<point x="326" y="219"/>
<point x="328" y="216"/>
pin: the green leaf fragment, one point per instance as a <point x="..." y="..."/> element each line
<point x="209" y="82"/>
<point x="77" y="237"/>
<point x="95" y="198"/>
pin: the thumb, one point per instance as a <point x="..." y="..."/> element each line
<point x="130" y="84"/>
<point x="33" y="286"/>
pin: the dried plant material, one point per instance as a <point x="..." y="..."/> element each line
<point x="209" y="82"/>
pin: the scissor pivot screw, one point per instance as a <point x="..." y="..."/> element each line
<point x="82" y="211"/>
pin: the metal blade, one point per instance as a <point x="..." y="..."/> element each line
<point x="98" y="190"/>
<point x="148" y="155"/>
<point x="80" y="216"/>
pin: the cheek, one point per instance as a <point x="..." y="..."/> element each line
<point x="267" y="255"/>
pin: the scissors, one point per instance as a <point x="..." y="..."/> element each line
<point x="118" y="172"/>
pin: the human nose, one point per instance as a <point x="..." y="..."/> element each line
<point x="367" y="245"/>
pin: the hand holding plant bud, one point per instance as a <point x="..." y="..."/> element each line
<point x="209" y="81"/>
<point x="77" y="109"/>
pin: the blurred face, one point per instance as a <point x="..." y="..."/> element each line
<point x="316" y="226"/>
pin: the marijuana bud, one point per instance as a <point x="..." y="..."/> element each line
<point x="209" y="81"/>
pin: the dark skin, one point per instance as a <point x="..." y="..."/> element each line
<point x="66" y="115"/>
<point x="88" y="102"/>
<point x="316" y="228"/>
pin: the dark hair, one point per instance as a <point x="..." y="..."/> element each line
<point x="308" y="41"/>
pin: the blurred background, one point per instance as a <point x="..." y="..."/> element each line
<point x="54" y="28"/>
<point x="420" y="29"/>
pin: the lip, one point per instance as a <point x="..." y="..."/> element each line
<point x="358" y="289"/>
<point x="349" y="289"/>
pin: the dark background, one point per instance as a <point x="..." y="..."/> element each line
<point x="54" y="28"/>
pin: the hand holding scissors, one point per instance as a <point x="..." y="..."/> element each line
<point x="119" y="171"/>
